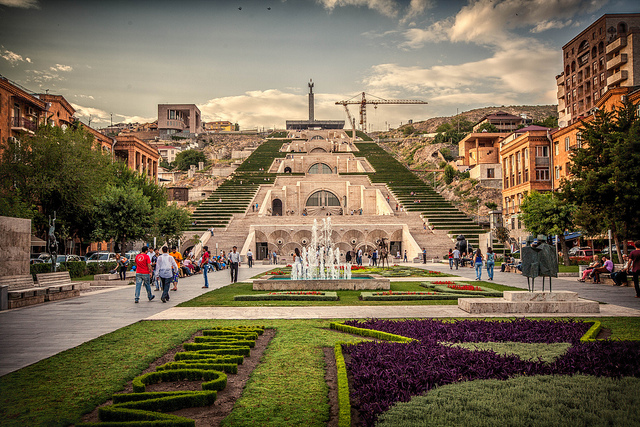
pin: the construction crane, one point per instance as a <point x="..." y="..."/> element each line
<point x="363" y="101"/>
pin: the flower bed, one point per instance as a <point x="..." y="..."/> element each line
<point x="290" y="296"/>
<point x="409" y="296"/>
<point x="385" y="373"/>
<point x="462" y="289"/>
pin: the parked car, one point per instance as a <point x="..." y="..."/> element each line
<point x="614" y="249"/>
<point x="131" y="256"/>
<point x="575" y="249"/>
<point x="583" y="253"/>
<point x="102" y="257"/>
<point x="66" y="258"/>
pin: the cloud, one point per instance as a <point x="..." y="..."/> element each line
<point x="23" y="4"/>
<point x="547" y="25"/>
<point x="389" y="8"/>
<point x="41" y="77"/>
<point x="100" y="118"/>
<point x="60" y="67"/>
<point x="13" y="57"/>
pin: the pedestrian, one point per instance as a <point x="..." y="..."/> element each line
<point x="450" y="256"/>
<point x="275" y="258"/>
<point x="234" y="263"/>
<point x="250" y="258"/>
<point x="122" y="266"/>
<point x="375" y="258"/>
<point x="143" y="270"/>
<point x="204" y="265"/>
<point x="491" y="262"/>
<point x="359" y="257"/>
<point x="477" y="259"/>
<point x="177" y="256"/>
<point x="620" y="276"/>
<point x="347" y="257"/>
<point x="456" y="257"/>
<point x="405" y="256"/>
<point x="154" y="253"/>
<point x="166" y="269"/>
<point x="634" y="257"/>
<point x="424" y="255"/>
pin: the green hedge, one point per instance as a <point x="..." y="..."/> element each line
<point x="75" y="268"/>
<point x="229" y="368"/>
<point x="39" y="269"/>
<point x="444" y="288"/>
<point x="245" y="336"/>
<point x="232" y="331"/>
<point x="283" y="296"/>
<point x="369" y="296"/>
<point x="118" y="416"/>
<point x="208" y="355"/>
<point x="344" y="404"/>
<point x="214" y="380"/>
<point x="592" y="333"/>
<point x="214" y="340"/>
<point x="368" y="332"/>
<point x="220" y="349"/>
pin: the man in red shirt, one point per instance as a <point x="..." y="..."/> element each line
<point x="143" y="273"/>
<point x="634" y="258"/>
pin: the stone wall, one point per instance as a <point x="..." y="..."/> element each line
<point x="15" y="235"/>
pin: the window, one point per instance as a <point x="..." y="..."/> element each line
<point x="567" y="143"/>
<point x="602" y="77"/>
<point x="323" y="198"/>
<point x="556" y="148"/>
<point x="172" y="114"/>
<point x="491" y="173"/>
<point x="579" y="139"/>
<point x="557" y="170"/>
<point x="526" y="175"/>
<point x="526" y="156"/>
<point x="320" y="168"/>
<point x="542" y="174"/>
<point x="542" y="151"/>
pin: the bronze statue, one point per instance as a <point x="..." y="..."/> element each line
<point x="539" y="259"/>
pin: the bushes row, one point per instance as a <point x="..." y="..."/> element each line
<point x="215" y="380"/>
<point x="344" y="404"/>
<point x="284" y="296"/>
<point x="371" y="296"/>
<point x="368" y="332"/>
<point x="222" y="341"/>
<point x="462" y="293"/>
<point x="75" y="268"/>
<point x="209" y="356"/>
<point x="228" y="368"/>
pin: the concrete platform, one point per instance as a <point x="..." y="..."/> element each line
<point x="530" y="302"/>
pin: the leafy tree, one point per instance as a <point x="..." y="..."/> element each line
<point x="548" y="122"/>
<point x="186" y="158"/>
<point x="408" y="130"/>
<point x="171" y="221"/>
<point x="546" y="213"/>
<point x="502" y="234"/>
<point x="491" y="205"/>
<point x="449" y="174"/>
<point x="57" y="171"/>
<point x="122" y="214"/>
<point x="166" y="165"/>
<point x="605" y="174"/>
<point x="122" y="176"/>
<point x="488" y="127"/>
<point x="444" y="127"/>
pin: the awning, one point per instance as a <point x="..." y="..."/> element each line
<point x="35" y="241"/>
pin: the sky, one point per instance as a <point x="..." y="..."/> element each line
<point x="249" y="61"/>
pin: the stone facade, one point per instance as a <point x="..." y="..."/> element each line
<point x="15" y="235"/>
<point x="138" y="155"/>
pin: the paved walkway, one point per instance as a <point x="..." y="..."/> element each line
<point x="30" y="334"/>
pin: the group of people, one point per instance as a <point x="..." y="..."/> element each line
<point x="596" y="268"/>
<point x="602" y="265"/>
<point x="477" y="259"/>
<point x="217" y="263"/>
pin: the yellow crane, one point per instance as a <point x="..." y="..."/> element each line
<point x="361" y="99"/>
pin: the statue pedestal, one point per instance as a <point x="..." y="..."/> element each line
<point x="530" y="302"/>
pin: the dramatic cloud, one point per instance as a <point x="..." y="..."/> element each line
<point x="60" y="67"/>
<point x="389" y="8"/>
<point x="100" y="118"/>
<point x="12" y="57"/>
<point x="23" y="4"/>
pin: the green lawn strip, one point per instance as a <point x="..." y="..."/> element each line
<point x="83" y="278"/>
<point x="568" y="268"/>
<point x="534" y="401"/>
<point x="493" y="285"/>
<point x="483" y="291"/>
<point x="525" y="351"/>
<point x="290" y="296"/>
<point x="224" y="297"/>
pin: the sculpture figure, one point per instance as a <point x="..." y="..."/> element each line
<point x="539" y="259"/>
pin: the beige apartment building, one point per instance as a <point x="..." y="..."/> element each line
<point x="174" y="119"/>
<point x="602" y="57"/>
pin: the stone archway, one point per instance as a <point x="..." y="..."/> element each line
<point x="287" y="169"/>
<point x="276" y="207"/>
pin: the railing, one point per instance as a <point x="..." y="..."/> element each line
<point x="617" y="77"/>
<point x="617" y="61"/>
<point x="616" y="45"/>
<point x="542" y="161"/>
<point x="23" y="123"/>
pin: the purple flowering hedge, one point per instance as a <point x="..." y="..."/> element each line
<point x="383" y="373"/>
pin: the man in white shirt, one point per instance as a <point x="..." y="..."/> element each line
<point x="166" y="267"/>
<point x="234" y="262"/>
<point x="250" y="258"/>
<point x="456" y="257"/>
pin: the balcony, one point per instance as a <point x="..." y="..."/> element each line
<point x="542" y="161"/>
<point x="617" y="61"/>
<point x="561" y="92"/>
<point x="616" y="45"/>
<point x="22" y="124"/>
<point x="617" y="78"/>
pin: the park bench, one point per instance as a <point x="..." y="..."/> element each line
<point x="606" y="279"/>
<point x="22" y="291"/>
<point x="59" y="285"/>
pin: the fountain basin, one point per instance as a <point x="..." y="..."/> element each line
<point x="356" y="283"/>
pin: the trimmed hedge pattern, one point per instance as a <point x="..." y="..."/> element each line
<point x="206" y="361"/>
<point x="283" y="296"/>
<point x="344" y="403"/>
<point x="462" y="293"/>
<point x="371" y="296"/>
<point x="369" y="333"/>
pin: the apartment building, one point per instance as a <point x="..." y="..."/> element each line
<point x="525" y="156"/>
<point x="167" y="152"/>
<point x="138" y="155"/>
<point x="220" y="126"/>
<point x="20" y="110"/>
<point x="603" y="56"/>
<point x="503" y="121"/>
<point x="174" y="119"/>
<point x="479" y="152"/>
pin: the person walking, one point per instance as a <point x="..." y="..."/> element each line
<point x="424" y="255"/>
<point x="477" y="259"/>
<point x="166" y="268"/>
<point x="634" y="257"/>
<point x="456" y="257"/>
<point x="122" y="266"/>
<point x="491" y="262"/>
<point x="143" y="270"/>
<point x="204" y="265"/>
<point x="250" y="258"/>
<point x="359" y="257"/>
<point x="234" y="262"/>
<point x="374" y="258"/>
<point x="405" y="256"/>
<point x="450" y="259"/>
<point x="154" y="254"/>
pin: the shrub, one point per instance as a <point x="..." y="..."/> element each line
<point x="229" y="368"/>
<point x="214" y="380"/>
<point x="39" y="269"/>
<point x="209" y="356"/>
<point x="218" y="349"/>
<point x="75" y="268"/>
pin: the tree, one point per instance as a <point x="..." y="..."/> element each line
<point x="171" y="221"/>
<point x="186" y="158"/>
<point x="548" y="122"/>
<point x="546" y="213"/>
<point x="57" y="171"/>
<point x="122" y="176"/>
<point x="122" y="214"/>
<point x="502" y="234"/>
<point x="449" y="174"/>
<point x="605" y="174"/>
<point x="487" y="127"/>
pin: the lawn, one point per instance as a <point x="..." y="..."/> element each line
<point x="287" y="388"/>
<point x="223" y="297"/>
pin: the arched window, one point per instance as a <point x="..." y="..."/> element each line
<point x="318" y="150"/>
<point x="320" y="168"/>
<point x="622" y="28"/>
<point x="584" y="45"/>
<point x="317" y="137"/>
<point x="323" y="198"/>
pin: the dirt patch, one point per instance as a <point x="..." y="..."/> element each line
<point x="604" y="334"/>
<point x="212" y="415"/>
<point x="331" y="377"/>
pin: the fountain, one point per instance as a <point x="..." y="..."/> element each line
<point x="319" y="268"/>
